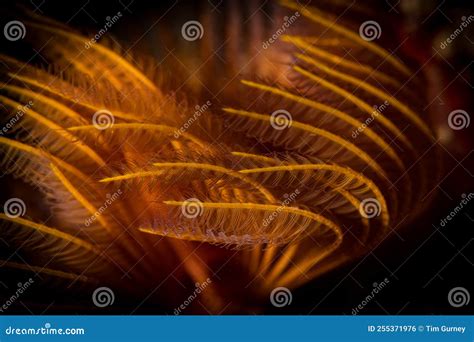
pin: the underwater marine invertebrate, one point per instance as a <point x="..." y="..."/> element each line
<point x="105" y="124"/>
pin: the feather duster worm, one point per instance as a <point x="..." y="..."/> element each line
<point x="295" y="157"/>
